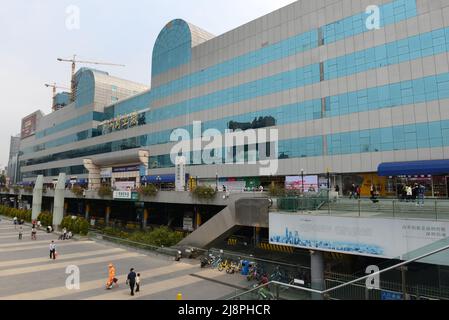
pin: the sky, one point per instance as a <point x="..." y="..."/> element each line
<point x="34" y="33"/>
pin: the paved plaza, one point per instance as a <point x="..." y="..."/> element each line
<point x="27" y="273"/>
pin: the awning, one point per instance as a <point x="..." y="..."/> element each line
<point x="430" y="167"/>
<point x="163" y="178"/>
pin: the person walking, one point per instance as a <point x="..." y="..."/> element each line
<point x="352" y="191"/>
<point x="20" y="232"/>
<point x="138" y="283"/>
<point x="53" y="250"/>
<point x="112" y="279"/>
<point x="15" y="222"/>
<point x="409" y="193"/>
<point x="421" y="192"/>
<point x="131" y="280"/>
<point x="33" y="233"/>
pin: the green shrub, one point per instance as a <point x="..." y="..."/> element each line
<point x="204" y="192"/>
<point x="77" y="191"/>
<point x="28" y="189"/>
<point x="83" y="227"/>
<point x="148" y="190"/>
<point x="46" y="218"/>
<point x="276" y="191"/>
<point x="105" y="191"/>
<point x="21" y="214"/>
<point x="16" y="189"/>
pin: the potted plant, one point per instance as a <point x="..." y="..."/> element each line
<point x="78" y="191"/>
<point x="148" y="190"/>
<point x="204" y="192"/>
<point x="105" y="191"/>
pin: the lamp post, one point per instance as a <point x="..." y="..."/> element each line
<point x="158" y="179"/>
<point x="216" y="182"/>
<point x="302" y="181"/>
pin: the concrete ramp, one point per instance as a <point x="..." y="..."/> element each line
<point x="251" y="212"/>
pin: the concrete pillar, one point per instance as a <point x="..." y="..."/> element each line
<point x="108" y="213"/>
<point x="198" y="219"/>
<point x="58" y="210"/>
<point x="37" y="197"/>
<point x="317" y="270"/>
<point x="257" y="236"/>
<point x="87" y="212"/>
<point x="145" y="218"/>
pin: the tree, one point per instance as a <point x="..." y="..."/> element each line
<point x="2" y="180"/>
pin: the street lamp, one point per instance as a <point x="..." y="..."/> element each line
<point x="216" y="182"/>
<point x="159" y="179"/>
<point x="302" y="180"/>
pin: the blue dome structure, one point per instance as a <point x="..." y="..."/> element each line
<point x="174" y="44"/>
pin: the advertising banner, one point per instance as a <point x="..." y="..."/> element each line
<point x="28" y="126"/>
<point x="295" y="183"/>
<point x="386" y="238"/>
<point x="180" y="179"/>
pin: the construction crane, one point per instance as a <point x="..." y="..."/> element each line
<point x="74" y="62"/>
<point x="54" y="86"/>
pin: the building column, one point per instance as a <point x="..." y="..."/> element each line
<point x="145" y="218"/>
<point x="87" y="212"/>
<point x="257" y="237"/>
<point x="317" y="273"/>
<point x="58" y="210"/>
<point x="198" y="219"/>
<point x="108" y="213"/>
<point x="37" y="197"/>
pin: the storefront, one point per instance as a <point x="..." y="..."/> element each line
<point x="126" y="178"/>
<point x="433" y="175"/>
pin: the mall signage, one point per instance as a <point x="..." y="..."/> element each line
<point x="123" y="122"/>
<point x="125" y="195"/>
<point x="126" y="169"/>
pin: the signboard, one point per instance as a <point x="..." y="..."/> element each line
<point x="124" y="185"/>
<point x="180" y="180"/>
<point x="388" y="295"/>
<point x="126" y="169"/>
<point x="376" y="237"/>
<point x="28" y="126"/>
<point x="125" y="195"/>
<point x="106" y="173"/>
<point x="188" y="223"/>
<point x="123" y="122"/>
<point x="295" y="183"/>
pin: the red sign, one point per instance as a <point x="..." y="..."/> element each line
<point x="28" y="126"/>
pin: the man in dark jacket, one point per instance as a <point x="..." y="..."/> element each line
<point x="131" y="280"/>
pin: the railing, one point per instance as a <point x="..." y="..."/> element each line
<point x="137" y="245"/>
<point x="355" y="289"/>
<point x="431" y="209"/>
<point x="305" y="202"/>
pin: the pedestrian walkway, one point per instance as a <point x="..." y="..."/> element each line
<point x="27" y="272"/>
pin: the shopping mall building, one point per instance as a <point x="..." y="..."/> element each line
<point x="366" y="105"/>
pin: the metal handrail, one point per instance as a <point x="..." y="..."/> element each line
<point x="151" y="247"/>
<point x="276" y="283"/>
<point x="350" y="282"/>
<point x="250" y="257"/>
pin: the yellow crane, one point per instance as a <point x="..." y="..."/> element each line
<point x="74" y="62"/>
<point x="54" y="86"/>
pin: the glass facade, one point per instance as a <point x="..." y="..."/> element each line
<point x="221" y="96"/>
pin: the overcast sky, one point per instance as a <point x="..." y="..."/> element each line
<point x="33" y="34"/>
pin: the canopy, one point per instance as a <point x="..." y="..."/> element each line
<point x="431" y="167"/>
